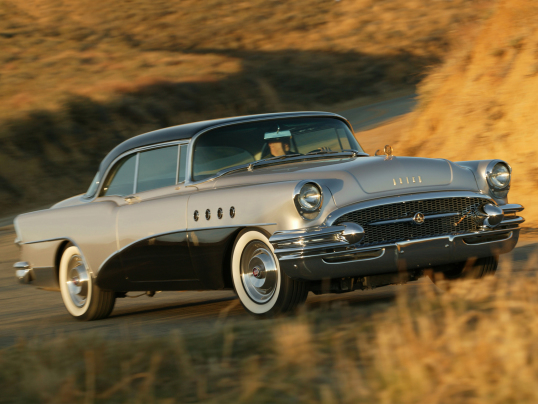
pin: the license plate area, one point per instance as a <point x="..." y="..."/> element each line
<point x="423" y="253"/>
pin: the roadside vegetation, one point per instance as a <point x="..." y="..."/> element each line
<point x="481" y="102"/>
<point x="475" y="342"/>
<point x="76" y="78"/>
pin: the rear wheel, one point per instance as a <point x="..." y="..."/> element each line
<point x="82" y="298"/>
<point x="262" y="288"/>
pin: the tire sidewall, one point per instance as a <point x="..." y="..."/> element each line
<point x="243" y="239"/>
<point x="75" y="311"/>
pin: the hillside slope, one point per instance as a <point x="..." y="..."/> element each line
<point x="77" y="77"/>
<point x="481" y="103"/>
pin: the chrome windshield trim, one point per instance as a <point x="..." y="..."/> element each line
<point x="135" y="182"/>
<point x="410" y="219"/>
<point x="190" y="155"/>
<point x="334" y="215"/>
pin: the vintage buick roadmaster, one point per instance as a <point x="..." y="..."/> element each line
<point x="273" y="206"/>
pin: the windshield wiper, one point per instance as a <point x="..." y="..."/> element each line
<point x="250" y="166"/>
<point x="329" y="151"/>
<point x="272" y="159"/>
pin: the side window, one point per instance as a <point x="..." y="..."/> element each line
<point x="121" y="180"/>
<point x="157" y="168"/>
<point x="182" y="164"/>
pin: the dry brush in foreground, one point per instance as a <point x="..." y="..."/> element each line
<point x="475" y="343"/>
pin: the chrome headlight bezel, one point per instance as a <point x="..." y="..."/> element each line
<point x="492" y="172"/>
<point x="301" y="205"/>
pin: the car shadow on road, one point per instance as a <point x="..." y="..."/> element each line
<point x="126" y="312"/>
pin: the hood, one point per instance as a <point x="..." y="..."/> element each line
<point x="362" y="178"/>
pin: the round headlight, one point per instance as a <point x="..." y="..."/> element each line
<point x="309" y="197"/>
<point x="499" y="177"/>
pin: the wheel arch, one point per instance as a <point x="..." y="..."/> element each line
<point x="58" y="257"/>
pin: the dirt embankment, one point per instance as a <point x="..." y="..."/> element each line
<point x="76" y="78"/>
<point x="481" y="102"/>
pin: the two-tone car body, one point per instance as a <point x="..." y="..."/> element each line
<point x="273" y="206"/>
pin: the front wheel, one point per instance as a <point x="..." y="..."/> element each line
<point x="82" y="298"/>
<point x="263" y="289"/>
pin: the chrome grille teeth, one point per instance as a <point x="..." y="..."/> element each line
<point x="395" y="232"/>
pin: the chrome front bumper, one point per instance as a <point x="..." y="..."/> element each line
<point x="23" y="272"/>
<point x="333" y="252"/>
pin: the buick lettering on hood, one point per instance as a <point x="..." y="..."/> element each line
<point x="272" y="206"/>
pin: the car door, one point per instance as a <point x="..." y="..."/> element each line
<point x="151" y="225"/>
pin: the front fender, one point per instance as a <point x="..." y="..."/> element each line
<point x="479" y="169"/>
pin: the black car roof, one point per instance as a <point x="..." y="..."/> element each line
<point x="187" y="131"/>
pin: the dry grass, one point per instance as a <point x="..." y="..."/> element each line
<point x="475" y="343"/>
<point x="481" y="103"/>
<point x="101" y="48"/>
<point x="76" y="78"/>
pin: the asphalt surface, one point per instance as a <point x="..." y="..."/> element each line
<point x="29" y="313"/>
<point x="373" y="115"/>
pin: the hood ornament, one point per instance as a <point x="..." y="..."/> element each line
<point x="387" y="151"/>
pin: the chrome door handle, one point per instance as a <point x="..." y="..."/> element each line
<point x="131" y="199"/>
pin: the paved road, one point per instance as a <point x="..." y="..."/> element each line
<point x="26" y="312"/>
<point x="373" y="115"/>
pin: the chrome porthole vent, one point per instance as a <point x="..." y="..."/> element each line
<point x="232" y="212"/>
<point x="196" y="215"/>
<point x="219" y="213"/>
<point x="207" y="214"/>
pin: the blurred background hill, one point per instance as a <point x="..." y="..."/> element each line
<point x="481" y="102"/>
<point x="76" y="78"/>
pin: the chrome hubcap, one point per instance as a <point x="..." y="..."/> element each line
<point x="259" y="272"/>
<point x="77" y="281"/>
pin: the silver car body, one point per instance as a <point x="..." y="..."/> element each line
<point x="151" y="240"/>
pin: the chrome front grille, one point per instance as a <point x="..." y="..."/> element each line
<point x="394" y="232"/>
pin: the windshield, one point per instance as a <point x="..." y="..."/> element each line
<point x="249" y="142"/>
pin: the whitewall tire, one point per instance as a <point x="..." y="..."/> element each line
<point x="82" y="298"/>
<point x="258" y="281"/>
